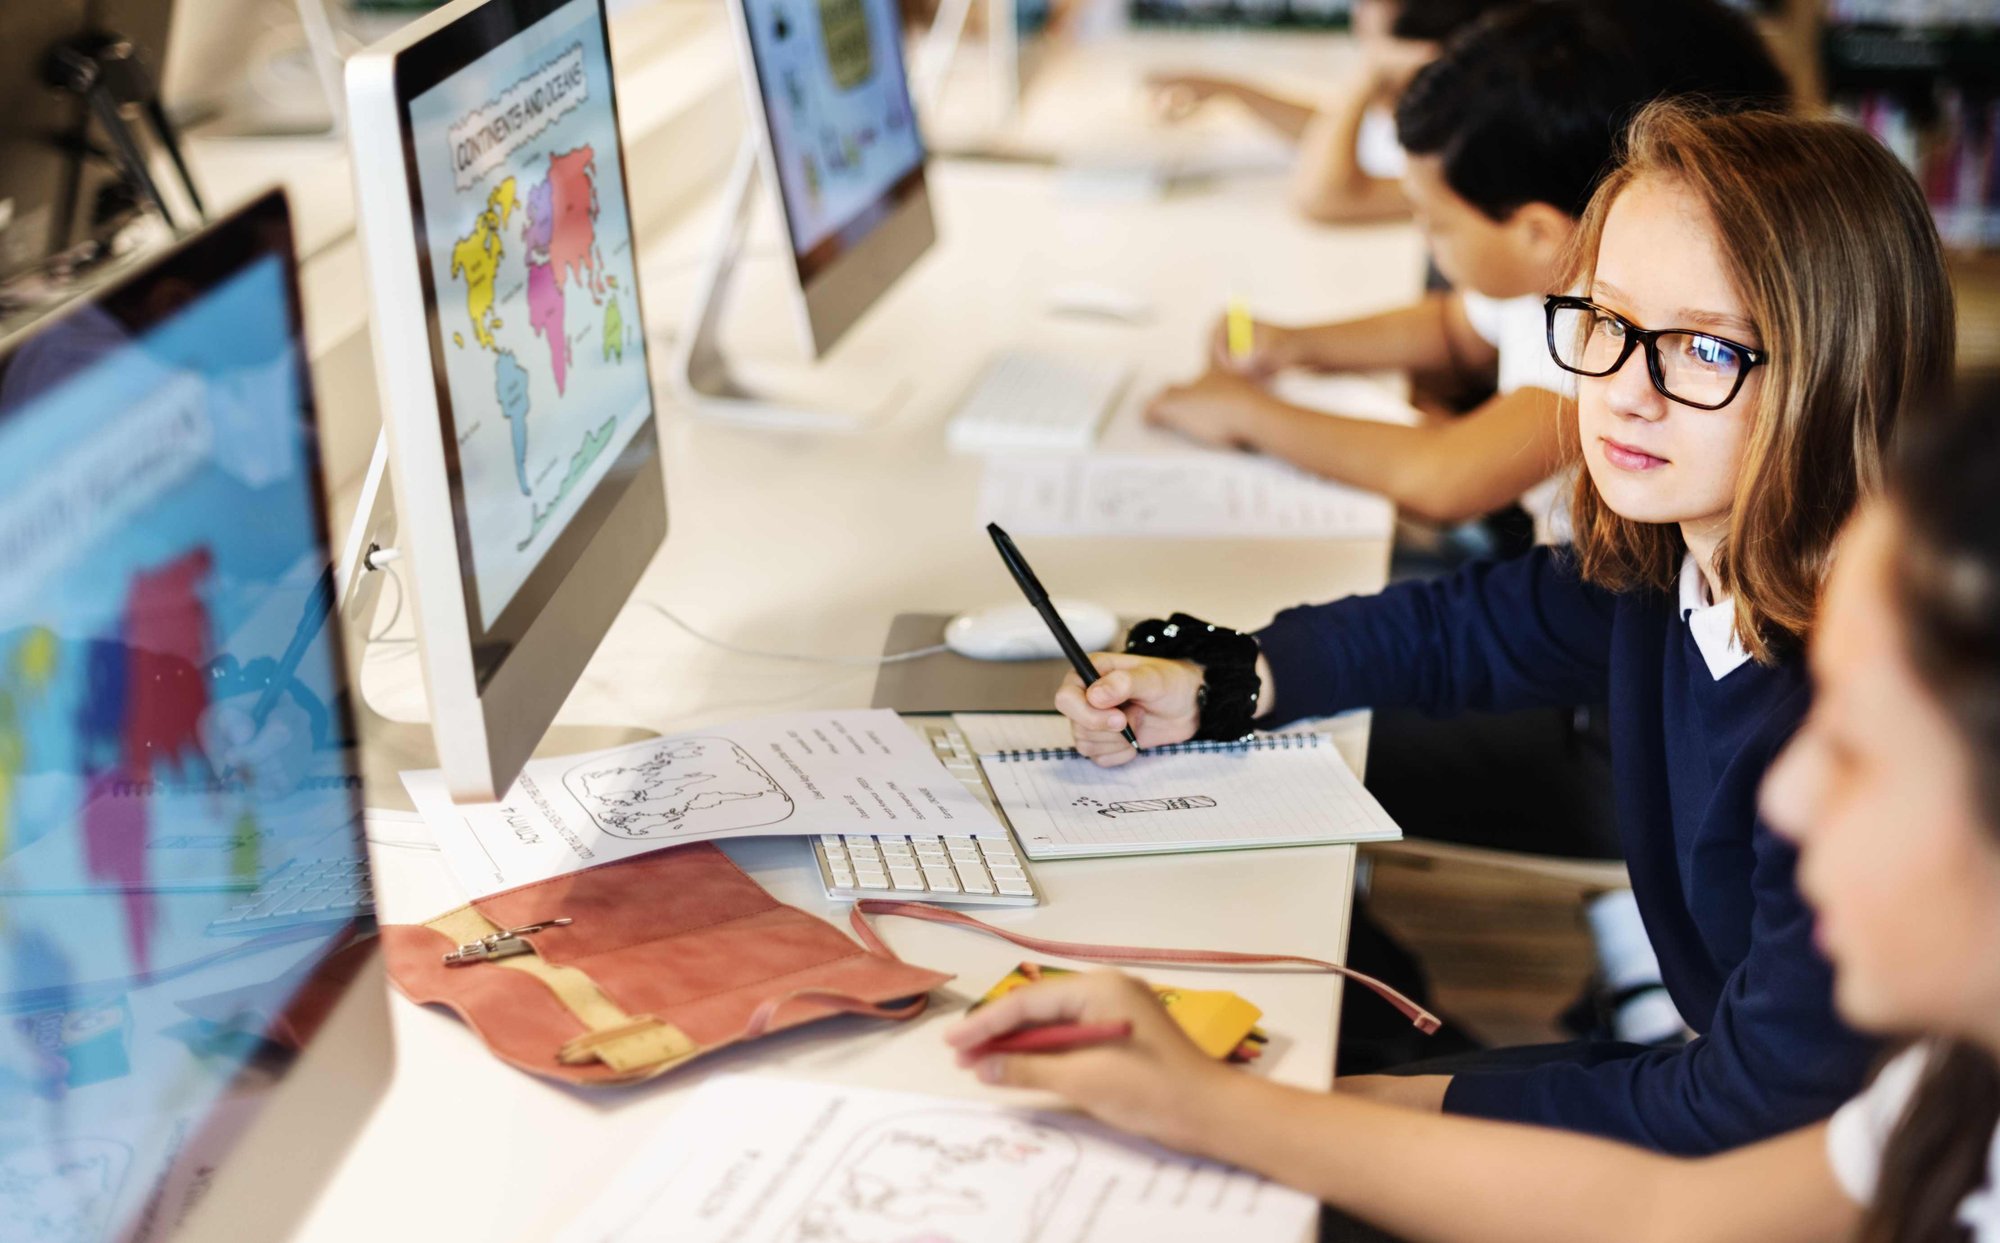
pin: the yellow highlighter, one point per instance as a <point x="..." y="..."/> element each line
<point x="1242" y="333"/>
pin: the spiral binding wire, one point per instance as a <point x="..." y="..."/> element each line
<point x="1267" y="742"/>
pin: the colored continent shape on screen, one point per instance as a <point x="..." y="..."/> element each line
<point x="518" y="156"/>
<point x="476" y="260"/>
<point x="561" y="234"/>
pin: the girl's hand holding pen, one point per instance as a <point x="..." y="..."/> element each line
<point x="1156" y="698"/>
<point x="1154" y="1082"/>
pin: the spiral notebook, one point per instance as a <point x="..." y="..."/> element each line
<point x="1289" y="789"/>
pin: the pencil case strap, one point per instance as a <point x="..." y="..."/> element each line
<point x="1125" y="955"/>
<point x="766" y="1013"/>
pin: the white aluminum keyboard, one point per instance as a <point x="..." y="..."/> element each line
<point x="983" y="869"/>
<point x="1035" y="401"/>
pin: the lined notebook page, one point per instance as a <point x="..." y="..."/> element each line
<point x="1284" y="790"/>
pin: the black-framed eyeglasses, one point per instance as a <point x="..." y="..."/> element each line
<point x="1696" y="369"/>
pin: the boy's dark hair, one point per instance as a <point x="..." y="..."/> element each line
<point x="1527" y="105"/>
<point x="1434" y="21"/>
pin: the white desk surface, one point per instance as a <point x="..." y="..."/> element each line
<point x="812" y="544"/>
<point x="1085" y="100"/>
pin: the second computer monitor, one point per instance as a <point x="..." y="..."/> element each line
<point x="840" y="147"/>
<point x="511" y="358"/>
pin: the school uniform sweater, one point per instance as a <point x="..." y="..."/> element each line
<point x="1714" y="883"/>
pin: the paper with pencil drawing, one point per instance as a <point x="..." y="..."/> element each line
<point x="766" y="1160"/>
<point x="1285" y="789"/>
<point x="810" y="772"/>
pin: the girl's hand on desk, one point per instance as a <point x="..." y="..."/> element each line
<point x="1157" y="698"/>
<point x="1216" y="409"/>
<point x="1155" y="1083"/>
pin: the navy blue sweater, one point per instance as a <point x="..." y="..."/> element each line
<point x="1714" y="883"/>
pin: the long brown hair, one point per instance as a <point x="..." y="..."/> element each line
<point x="1829" y="244"/>
<point x="1946" y="492"/>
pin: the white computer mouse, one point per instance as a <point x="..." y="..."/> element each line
<point x="1017" y="632"/>
<point x="1089" y="300"/>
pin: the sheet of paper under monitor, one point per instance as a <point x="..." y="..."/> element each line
<point x="755" y="1159"/>
<point x="861" y="771"/>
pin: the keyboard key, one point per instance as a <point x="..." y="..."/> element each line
<point x="907" y="878"/>
<point x="976" y="882"/>
<point x="1015" y="888"/>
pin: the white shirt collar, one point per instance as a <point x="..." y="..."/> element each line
<point x="1712" y="624"/>
<point x="1980" y="1211"/>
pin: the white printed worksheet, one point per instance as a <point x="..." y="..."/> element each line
<point x="861" y="771"/>
<point x="756" y="1159"/>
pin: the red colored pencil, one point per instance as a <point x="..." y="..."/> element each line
<point x="1055" y="1038"/>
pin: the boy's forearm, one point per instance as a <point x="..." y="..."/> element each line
<point x="1442" y="473"/>
<point x="1413" y="337"/>
<point x="1287" y="116"/>
<point x="1329" y="184"/>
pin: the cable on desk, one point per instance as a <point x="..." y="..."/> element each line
<point x="402" y="845"/>
<point x="800" y="657"/>
<point x="395" y="616"/>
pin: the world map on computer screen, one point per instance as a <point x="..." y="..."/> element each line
<point x="531" y="262"/>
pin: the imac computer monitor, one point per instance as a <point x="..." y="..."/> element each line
<point x="839" y="144"/>
<point x="511" y="359"/>
<point x="174" y="743"/>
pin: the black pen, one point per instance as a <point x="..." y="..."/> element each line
<point x="1031" y="587"/>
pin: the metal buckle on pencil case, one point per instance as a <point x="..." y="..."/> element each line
<point x="622" y="972"/>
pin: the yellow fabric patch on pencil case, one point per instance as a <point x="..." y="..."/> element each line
<point x="1216" y="1020"/>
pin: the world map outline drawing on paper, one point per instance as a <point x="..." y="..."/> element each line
<point x="941" y="1176"/>
<point x="678" y="787"/>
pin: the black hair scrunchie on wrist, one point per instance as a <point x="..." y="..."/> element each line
<point x="1228" y="660"/>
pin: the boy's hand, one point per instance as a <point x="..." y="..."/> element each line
<point x="1155" y="697"/>
<point x="1155" y="1083"/>
<point x="1214" y="409"/>
<point x="1273" y="348"/>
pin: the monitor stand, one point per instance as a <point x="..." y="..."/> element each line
<point x="701" y="372"/>
<point x="930" y="75"/>
<point x="390" y="747"/>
